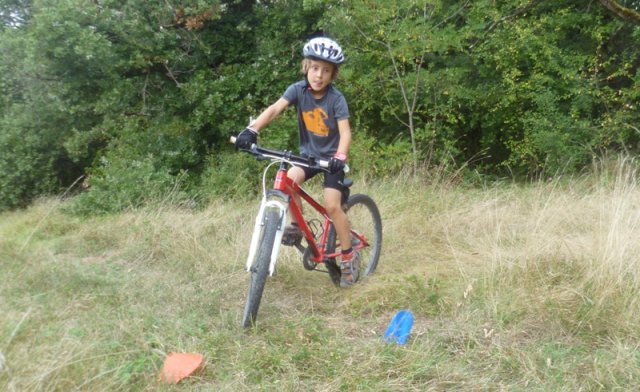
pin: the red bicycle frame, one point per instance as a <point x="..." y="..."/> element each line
<point x="290" y="188"/>
<point x="282" y="197"/>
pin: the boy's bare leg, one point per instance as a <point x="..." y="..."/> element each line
<point x="333" y="204"/>
<point x="350" y="260"/>
<point x="297" y="175"/>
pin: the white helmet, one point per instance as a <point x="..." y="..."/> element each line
<point x="326" y="49"/>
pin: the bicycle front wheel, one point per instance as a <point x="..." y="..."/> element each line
<point x="260" y="267"/>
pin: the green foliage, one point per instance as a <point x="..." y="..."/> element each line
<point x="170" y="82"/>
<point x="537" y="108"/>
<point x="532" y="86"/>
<point x="372" y="159"/>
<point x="408" y="79"/>
<point x="230" y="175"/>
<point x="143" y="165"/>
<point x="523" y="87"/>
<point x="26" y="165"/>
<point x="126" y="184"/>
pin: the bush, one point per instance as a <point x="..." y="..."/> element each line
<point x="128" y="184"/>
<point x="230" y="174"/>
<point x="26" y="166"/>
<point x="373" y="159"/>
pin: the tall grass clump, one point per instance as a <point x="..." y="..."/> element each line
<point x="553" y="275"/>
<point x="576" y="243"/>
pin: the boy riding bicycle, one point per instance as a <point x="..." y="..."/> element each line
<point x="325" y="133"/>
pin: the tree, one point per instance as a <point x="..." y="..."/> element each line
<point x="520" y="84"/>
<point x="115" y="85"/>
<point x="131" y="91"/>
<point x="77" y="72"/>
<point x="397" y="53"/>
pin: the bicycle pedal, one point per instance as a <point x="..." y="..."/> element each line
<point x="291" y="239"/>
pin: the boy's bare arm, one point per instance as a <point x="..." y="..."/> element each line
<point x="269" y="114"/>
<point x="344" y="127"/>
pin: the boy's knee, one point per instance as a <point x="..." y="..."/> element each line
<point x="296" y="174"/>
<point x="333" y="206"/>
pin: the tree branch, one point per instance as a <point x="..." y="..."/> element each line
<point x="515" y="13"/>
<point x="624" y="13"/>
<point x="171" y="75"/>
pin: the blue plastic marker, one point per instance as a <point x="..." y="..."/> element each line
<point x="399" y="328"/>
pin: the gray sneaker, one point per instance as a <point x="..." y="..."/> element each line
<point x="292" y="235"/>
<point x="350" y="270"/>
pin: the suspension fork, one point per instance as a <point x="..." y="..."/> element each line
<point x="277" y="199"/>
<point x="271" y="200"/>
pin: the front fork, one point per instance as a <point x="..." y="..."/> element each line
<point x="280" y="203"/>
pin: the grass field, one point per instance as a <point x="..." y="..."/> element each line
<point x="514" y="287"/>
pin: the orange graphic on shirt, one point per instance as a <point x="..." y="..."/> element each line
<point x="314" y="121"/>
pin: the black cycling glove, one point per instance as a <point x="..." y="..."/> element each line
<point x="246" y="138"/>
<point x="336" y="165"/>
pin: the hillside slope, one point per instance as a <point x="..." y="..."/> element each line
<point x="512" y="286"/>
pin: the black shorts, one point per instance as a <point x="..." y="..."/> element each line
<point x="333" y="181"/>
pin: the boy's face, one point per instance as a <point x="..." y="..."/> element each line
<point x="320" y="74"/>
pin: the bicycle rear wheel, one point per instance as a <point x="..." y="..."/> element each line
<point x="365" y="219"/>
<point x="260" y="267"/>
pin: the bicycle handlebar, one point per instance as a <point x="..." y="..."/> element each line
<point x="288" y="156"/>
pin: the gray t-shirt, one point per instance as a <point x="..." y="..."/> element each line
<point x="318" y="118"/>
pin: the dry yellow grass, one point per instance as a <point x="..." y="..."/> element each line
<point x="513" y="287"/>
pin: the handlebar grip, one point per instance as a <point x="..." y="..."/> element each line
<point x="325" y="165"/>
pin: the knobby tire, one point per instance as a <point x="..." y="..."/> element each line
<point x="260" y="268"/>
